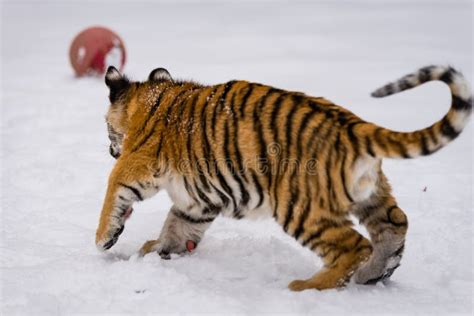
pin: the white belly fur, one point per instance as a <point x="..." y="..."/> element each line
<point x="364" y="178"/>
<point x="183" y="201"/>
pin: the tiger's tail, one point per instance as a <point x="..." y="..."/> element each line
<point x="381" y="142"/>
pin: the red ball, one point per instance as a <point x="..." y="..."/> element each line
<point x="190" y="245"/>
<point x="94" y="49"/>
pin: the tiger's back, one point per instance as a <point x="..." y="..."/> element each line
<point x="244" y="149"/>
<point x="257" y="134"/>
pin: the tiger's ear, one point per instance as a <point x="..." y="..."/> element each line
<point x="159" y="74"/>
<point x="117" y="83"/>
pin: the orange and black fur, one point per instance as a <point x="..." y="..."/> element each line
<point x="243" y="149"/>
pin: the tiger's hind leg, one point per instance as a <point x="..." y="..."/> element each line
<point x="387" y="225"/>
<point x="342" y="249"/>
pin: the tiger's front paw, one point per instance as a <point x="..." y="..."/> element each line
<point x="149" y="246"/>
<point x="108" y="236"/>
<point x="165" y="249"/>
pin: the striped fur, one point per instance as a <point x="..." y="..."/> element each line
<point x="243" y="149"/>
<point x="430" y="139"/>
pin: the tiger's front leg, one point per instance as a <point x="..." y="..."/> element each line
<point x="131" y="180"/>
<point x="179" y="230"/>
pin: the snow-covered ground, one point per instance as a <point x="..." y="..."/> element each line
<point x="55" y="161"/>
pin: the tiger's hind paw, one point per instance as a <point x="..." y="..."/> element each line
<point x="321" y="281"/>
<point x="378" y="269"/>
<point x="385" y="276"/>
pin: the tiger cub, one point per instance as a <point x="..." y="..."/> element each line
<point x="244" y="149"/>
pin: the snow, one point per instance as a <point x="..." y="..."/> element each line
<point x="114" y="57"/>
<point x="55" y="161"/>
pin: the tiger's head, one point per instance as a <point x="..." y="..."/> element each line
<point x="121" y="90"/>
